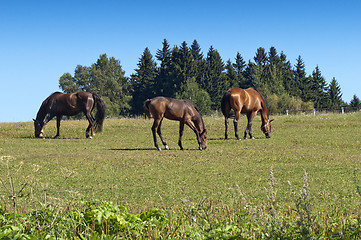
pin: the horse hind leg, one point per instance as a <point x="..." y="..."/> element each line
<point x="90" y="127"/>
<point x="249" y="125"/>
<point x="235" y="123"/>
<point x="226" y="127"/>
<point x="181" y="129"/>
<point x="58" y="119"/>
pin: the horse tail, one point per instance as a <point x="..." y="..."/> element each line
<point x="146" y="108"/>
<point x="100" y="115"/>
<point x="225" y="103"/>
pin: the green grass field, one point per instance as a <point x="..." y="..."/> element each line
<point x="121" y="164"/>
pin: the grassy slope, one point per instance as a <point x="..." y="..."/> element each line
<point x="121" y="164"/>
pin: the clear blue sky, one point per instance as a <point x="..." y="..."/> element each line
<point x="41" y="40"/>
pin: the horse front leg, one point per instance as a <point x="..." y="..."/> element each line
<point x="235" y="123"/>
<point x="160" y="135"/>
<point x="181" y="129"/>
<point x="154" y="130"/>
<point x="195" y="130"/>
<point x="50" y="116"/>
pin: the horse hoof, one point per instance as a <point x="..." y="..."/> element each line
<point x="252" y="138"/>
<point x="90" y="137"/>
<point x="166" y="147"/>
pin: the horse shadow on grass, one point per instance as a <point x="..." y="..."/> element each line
<point x="151" y="149"/>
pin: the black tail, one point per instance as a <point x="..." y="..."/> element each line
<point x="146" y="108"/>
<point x="226" y="103"/>
<point x="100" y="115"/>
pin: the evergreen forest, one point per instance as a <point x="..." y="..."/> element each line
<point x="185" y="72"/>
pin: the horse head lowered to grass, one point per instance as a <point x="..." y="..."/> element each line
<point x="175" y="109"/>
<point x="60" y="104"/>
<point x="249" y="101"/>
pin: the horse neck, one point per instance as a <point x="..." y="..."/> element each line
<point x="40" y="116"/>
<point x="264" y="113"/>
<point x="200" y="123"/>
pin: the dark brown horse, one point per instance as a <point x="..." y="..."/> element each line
<point x="60" y="104"/>
<point x="248" y="101"/>
<point x="174" y="109"/>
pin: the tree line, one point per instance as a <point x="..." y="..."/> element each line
<point x="184" y="72"/>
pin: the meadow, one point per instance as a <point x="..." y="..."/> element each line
<point x="122" y="166"/>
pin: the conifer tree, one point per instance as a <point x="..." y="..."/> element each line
<point x="355" y="103"/>
<point x="183" y="67"/>
<point x="335" y="95"/>
<point x="164" y="83"/>
<point x="318" y="88"/>
<point x="274" y="73"/>
<point x="239" y="67"/>
<point x="286" y="73"/>
<point x="199" y="62"/>
<point x="299" y="81"/>
<point x="259" y="74"/>
<point x="143" y="81"/>
<point x="232" y="78"/>
<point x="215" y="81"/>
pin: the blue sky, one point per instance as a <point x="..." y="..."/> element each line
<point x="41" y="40"/>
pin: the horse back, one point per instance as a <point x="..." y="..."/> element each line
<point x="170" y="108"/>
<point x="245" y="100"/>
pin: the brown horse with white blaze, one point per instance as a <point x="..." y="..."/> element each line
<point x="249" y="101"/>
<point x="59" y="104"/>
<point x="175" y="109"/>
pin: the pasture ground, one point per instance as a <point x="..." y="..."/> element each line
<point x="121" y="164"/>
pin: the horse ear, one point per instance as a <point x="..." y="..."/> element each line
<point x="271" y="120"/>
<point x="34" y="120"/>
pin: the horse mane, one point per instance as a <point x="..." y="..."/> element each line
<point x="264" y="100"/>
<point x="195" y="107"/>
<point x="42" y="110"/>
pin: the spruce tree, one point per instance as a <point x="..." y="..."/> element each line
<point x="318" y="89"/>
<point x="215" y="81"/>
<point x="164" y="83"/>
<point x="335" y="95"/>
<point x="199" y="62"/>
<point x="286" y="73"/>
<point x="239" y="67"/>
<point x="232" y="78"/>
<point x="299" y="81"/>
<point x="274" y="73"/>
<point x="355" y="103"/>
<point x="259" y="74"/>
<point x="143" y="81"/>
<point x="183" y="67"/>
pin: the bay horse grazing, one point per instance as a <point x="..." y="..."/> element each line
<point x="248" y="101"/>
<point x="175" y="109"/>
<point x="59" y="104"/>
